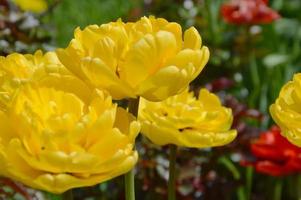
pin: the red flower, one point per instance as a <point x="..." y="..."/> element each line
<point x="248" y="12"/>
<point x="275" y="155"/>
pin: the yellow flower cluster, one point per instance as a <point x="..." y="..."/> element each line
<point x="286" y="110"/>
<point x="187" y="121"/>
<point x="67" y="135"/>
<point x="70" y="134"/>
<point x="148" y="58"/>
<point x="36" y="6"/>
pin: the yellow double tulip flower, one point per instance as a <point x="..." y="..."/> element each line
<point x="286" y="111"/>
<point x="187" y="121"/>
<point x="56" y="133"/>
<point x="150" y="58"/>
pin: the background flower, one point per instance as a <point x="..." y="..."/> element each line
<point x="36" y="6"/>
<point x="147" y="58"/>
<point x="248" y="12"/>
<point x="275" y="155"/>
<point x="185" y="120"/>
<point x="286" y="110"/>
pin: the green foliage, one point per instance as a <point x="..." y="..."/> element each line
<point x="69" y="14"/>
<point x="50" y="196"/>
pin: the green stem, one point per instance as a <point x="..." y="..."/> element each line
<point x="241" y="193"/>
<point x="172" y="172"/>
<point x="236" y="175"/>
<point x="210" y="18"/>
<point x="230" y="166"/>
<point x="278" y="190"/>
<point x="298" y="184"/>
<point x="129" y="185"/>
<point x="68" y="195"/>
<point x="249" y="178"/>
<point x="129" y="177"/>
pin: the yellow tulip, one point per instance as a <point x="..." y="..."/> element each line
<point x="17" y="69"/>
<point x="36" y="6"/>
<point x="55" y="132"/>
<point x="148" y="58"/>
<point x="286" y="111"/>
<point x="187" y="121"/>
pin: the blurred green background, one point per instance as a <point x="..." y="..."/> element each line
<point x="69" y="14"/>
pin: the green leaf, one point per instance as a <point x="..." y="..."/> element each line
<point x="50" y="196"/>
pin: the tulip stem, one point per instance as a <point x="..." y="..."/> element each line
<point x="129" y="185"/>
<point x="278" y="190"/>
<point x="68" y="195"/>
<point x="172" y="172"/>
<point x="241" y="194"/>
<point x="249" y="177"/>
<point x="129" y="178"/>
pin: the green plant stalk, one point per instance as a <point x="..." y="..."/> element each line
<point x="129" y="178"/>
<point x="241" y="193"/>
<point x="68" y="195"/>
<point x="249" y="180"/>
<point x="129" y="185"/>
<point x="236" y="175"/>
<point x="278" y="190"/>
<point x="172" y="172"/>
<point x="255" y="78"/>
<point x="211" y="23"/>
<point x="298" y="186"/>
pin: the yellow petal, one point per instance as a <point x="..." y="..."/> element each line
<point x="192" y="39"/>
<point x="166" y="82"/>
<point x="147" y="56"/>
<point x="100" y="75"/>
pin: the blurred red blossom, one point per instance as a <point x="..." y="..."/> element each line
<point x="275" y="155"/>
<point x="222" y="83"/>
<point x="248" y="12"/>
